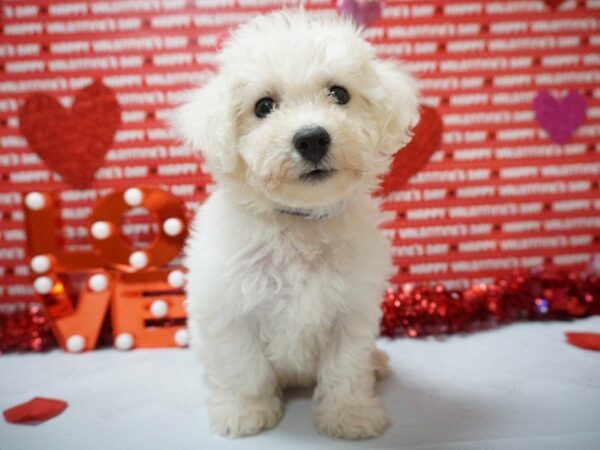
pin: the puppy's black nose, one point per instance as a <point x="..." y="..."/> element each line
<point x="312" y="143"/>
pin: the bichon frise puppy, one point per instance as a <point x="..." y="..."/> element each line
<point x="287" y="267"/>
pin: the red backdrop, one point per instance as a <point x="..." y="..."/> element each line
<point x="497" y="195"/>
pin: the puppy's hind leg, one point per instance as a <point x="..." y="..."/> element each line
<point x="381" y="363"/>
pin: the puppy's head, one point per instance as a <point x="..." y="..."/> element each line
<point x="301" y="112"/>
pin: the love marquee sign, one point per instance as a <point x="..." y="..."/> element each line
<point x="145" y="300"/>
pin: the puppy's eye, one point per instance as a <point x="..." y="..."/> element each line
<point x="263" y="107"/>
<point x="339" y="95"/>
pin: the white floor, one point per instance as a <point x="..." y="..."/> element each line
<point x="518" y="387"/>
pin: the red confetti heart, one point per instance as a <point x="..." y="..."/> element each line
<point x="588" y="341"/>
<point x="412" y="158"/>
<point x="38" y="409"/>
<point x="553" y="3"/>
<point x="72" y="142"/>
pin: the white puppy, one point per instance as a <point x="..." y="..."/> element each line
<point x="287" y="267"/>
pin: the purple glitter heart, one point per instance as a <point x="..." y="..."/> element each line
<point x="363" y="12"/>
<point x="560" y="118"/>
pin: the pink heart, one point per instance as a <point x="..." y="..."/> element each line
<point x="560" y="118"/>
<point x="363" y="12"/>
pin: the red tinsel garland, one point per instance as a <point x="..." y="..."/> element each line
<point x="540" y="295"/>
<point x="409" y="311"/>
<point x="25" y="329"/>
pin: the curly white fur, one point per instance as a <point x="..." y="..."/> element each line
<point x="276" y="299"/>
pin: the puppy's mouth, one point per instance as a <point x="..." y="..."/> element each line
<point x="317" y="175"/>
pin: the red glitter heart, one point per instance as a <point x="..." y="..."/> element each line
<point x="412" y="158"/>
<point x="72" y="142"/>
<point x="36" y="410"/>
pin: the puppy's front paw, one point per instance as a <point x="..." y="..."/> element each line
<point x="242" y="416"/>
<point x="351" y="420"/>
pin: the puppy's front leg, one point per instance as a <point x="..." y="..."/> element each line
<point x="245" y="397"/>
<point x="345" y="404"/>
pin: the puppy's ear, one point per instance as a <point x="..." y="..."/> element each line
<point x="207" y="123"/>
<point x="397" y="103"/>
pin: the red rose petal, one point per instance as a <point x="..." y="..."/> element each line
<point x="37" y="409"/>
<point x="588" y="341"/>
